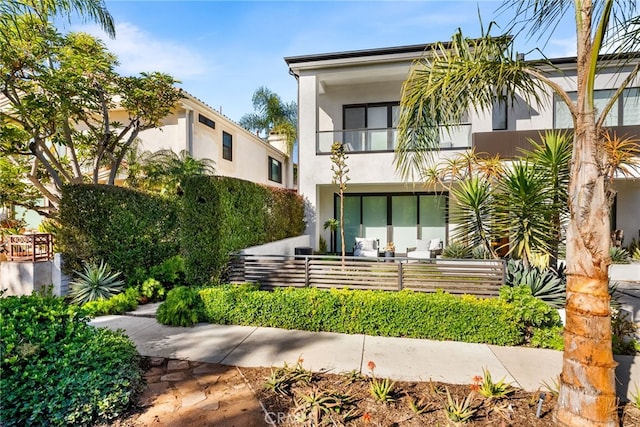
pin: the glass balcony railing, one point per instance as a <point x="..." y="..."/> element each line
<point x="385" y="139"/>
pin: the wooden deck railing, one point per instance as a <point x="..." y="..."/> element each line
<point x="475" y="277"/>
<point x="30" y="247"/>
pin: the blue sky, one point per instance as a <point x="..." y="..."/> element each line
<point x="222" y="51"/>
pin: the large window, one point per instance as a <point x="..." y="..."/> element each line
<point x="400" y="218"/>
<point x="275" y="170"/>
<point x="625" y="112"/>
<point x="371" y="127"/>
<point x="227" y="146"/>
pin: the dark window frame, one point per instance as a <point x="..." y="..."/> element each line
<point x="278" y="164"/>
<point x="206" y="121"/>
<point x="227" y="146"/>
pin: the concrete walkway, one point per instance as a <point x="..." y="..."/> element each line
<point x="396" y="358"/>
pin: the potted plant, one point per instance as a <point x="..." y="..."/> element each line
<point x="390" y="250"/>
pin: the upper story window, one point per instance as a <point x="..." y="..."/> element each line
<point x="275" y="170"/>
<point x="227" y="146"/>
<point x="625" y="112"/>
<point x="206" y="121"/>
<point x="499" y="115"/>
<point x="371" y="127"/>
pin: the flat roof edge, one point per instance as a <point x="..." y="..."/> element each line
<point x="360" y="53"/>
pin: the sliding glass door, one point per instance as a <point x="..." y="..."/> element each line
<point x="398" y="218"/>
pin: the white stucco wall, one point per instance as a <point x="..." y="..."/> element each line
<point x="250" y="153"/>
<point x="325" y="86"/>
<point x="628" y="208"/>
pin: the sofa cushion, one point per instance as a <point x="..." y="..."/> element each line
<point x="422" y="245"/>
<point x="434" y="244"/>
<point x="366" y="244"/>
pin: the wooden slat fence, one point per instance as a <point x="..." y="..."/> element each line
<point x="476" y="277"/>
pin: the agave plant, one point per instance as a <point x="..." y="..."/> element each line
<point x="619" y="255"/>
<point x="456" y="250"/>
<point x="94" y="283"/>
<point x="549" y="285"/>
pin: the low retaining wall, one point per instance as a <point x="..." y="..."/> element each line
<point x="22" y="278"/>
<point x="279" y="247"/>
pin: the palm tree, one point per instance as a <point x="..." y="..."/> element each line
<point x="332" y="224"/>
<point x="466" y="74"/>
<point x="166" y="171"/>
<point x="94" y="10"/>
<point x="272" y="116"/>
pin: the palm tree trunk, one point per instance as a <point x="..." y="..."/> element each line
<point x="587" y="384"/>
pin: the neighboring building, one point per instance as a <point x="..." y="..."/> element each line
<point x="353" y="97"/>
<point x="205" y="133"/>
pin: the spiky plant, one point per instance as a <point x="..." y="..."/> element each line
<point x="548" y="284"/>
<point x="619" y="255"/>
<point x="456" y="250"/>
<point x="95" y="282"/>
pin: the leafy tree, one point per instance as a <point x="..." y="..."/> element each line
<point x="165" y="171"/>
<point x="60" y="93"/>
<point x="476" y="73"/>
<point x="340" y="177"/>
<point x="272" y="116"/>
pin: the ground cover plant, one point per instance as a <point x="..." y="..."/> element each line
<point x="439" y="315"/>
<point x="57" y="370"/>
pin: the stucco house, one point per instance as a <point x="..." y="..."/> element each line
<point x="353" y="97"/>
<point x="206" y="133"/>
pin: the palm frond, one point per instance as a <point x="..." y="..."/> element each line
<point x="450" y="80"/>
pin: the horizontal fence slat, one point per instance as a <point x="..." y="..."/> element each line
<point x="481" y="278"/>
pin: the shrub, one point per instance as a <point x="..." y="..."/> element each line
<point x="57" y="370"/>
<point x="457" y="250"/>
<point x="437" y="316"/>
<point x="548" y="285"/>
<point x="151" y="290"/>
<point x="95" y="282"/>
<point x="221" y="215"/>
<point x="530" y="312"/>
<point x="183" y="307"/>
<point x="118" y="304"/>
<point x="126" y="228"/>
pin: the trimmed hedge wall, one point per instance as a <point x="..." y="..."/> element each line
<point x="131" y="230"/>
<point x="438" y="316"/>
<point x="221" y="215"/>
<point x="126" y="228"/>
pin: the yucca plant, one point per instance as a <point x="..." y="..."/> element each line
<point x="94" y="283"/>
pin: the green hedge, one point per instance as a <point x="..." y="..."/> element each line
<point x="438" y="316"/>
<point x="221" y="215"/>
<point x="133" y="231"/>
<point x="126" y="228"/>
<point x="57" y="370"/>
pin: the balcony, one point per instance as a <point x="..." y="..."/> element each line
<point x="384" y="139"/>
<point x="509" y="143"/>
